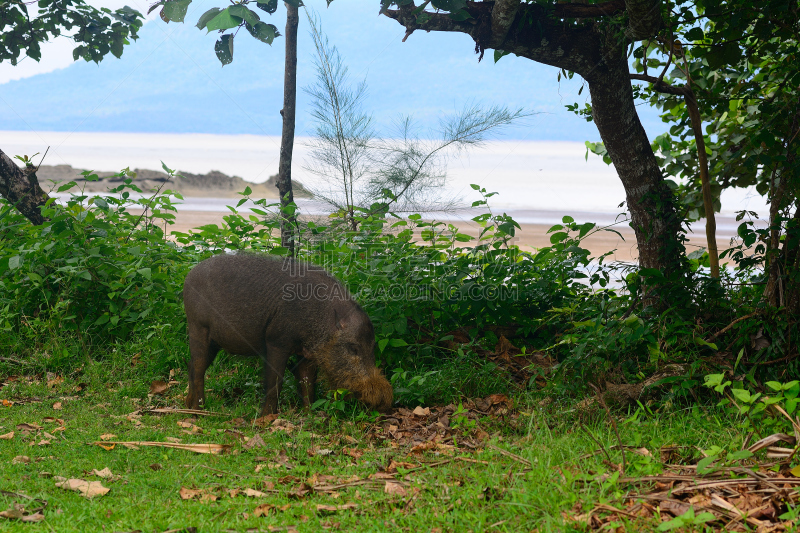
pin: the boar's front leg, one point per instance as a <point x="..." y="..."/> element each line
<point x="202" y="351"/>
<point x="274" y="366"/>
<point x="306" y="373"/>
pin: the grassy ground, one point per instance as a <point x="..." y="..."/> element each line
<point x="361" y="481"/>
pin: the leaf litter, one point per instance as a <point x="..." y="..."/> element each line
<point x="756" y="494"/>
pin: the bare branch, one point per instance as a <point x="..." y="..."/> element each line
<point x="659" y="85"/>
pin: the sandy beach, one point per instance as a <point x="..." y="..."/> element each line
<point x="530" y="237"/>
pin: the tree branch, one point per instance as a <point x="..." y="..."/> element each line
<point x="503" y="14"/>
<point x="659" y="85"/>
<point x="576" y="11"/>
<point x="644" y="18"/>
<point x="21" y="188"/>
<point x="543" y="38"/>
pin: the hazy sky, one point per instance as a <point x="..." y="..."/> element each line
<point x="170" y="80"/>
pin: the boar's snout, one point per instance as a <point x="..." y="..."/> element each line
<point x="376" y="391"/>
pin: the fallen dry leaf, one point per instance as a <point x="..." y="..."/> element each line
<point x="53" y="420"/>
<point x="353" y="452"/>
<point x="20" y="459"/>
<point x="158" y="387"/>
<point x="265" y="420"/>
<point x="53" y="380"/>
<point x="104" y="473"/>
<point x="189" y="427"/>
<point x="313" y="451"/>
<point x="106" y="447"/>
<point x="29" y="427"/>
<point x="87" y="489"/>
<point x="381" y="475"/>
<point x="173" y="411"/>
<point x="394" y="488"/>
<point x="196" y="494"/>
<point x="197" y="448"/>
<point x="57" y="406"/>
<point x="263" y="509"/>
<point x="300" y="491"/>
<point x="334" y="508"/>
<point x="253" y="493"/>
<point x="7" y="436"/>
<point x="255" y="442"/>
<point x="17" y="512"/>
<point x="421" y="411"/>
<point x="107" y="436"/>
<point x="280" y="424"/>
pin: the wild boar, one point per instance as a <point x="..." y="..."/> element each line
<point x="250" y="304"/>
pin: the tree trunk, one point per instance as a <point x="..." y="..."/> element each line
<point x="284" y="181"/>
<point x="783" y="287"/>
<point x="20" y="187"/>
<point x="702" y="163"/>
<point x="650" y="202"/>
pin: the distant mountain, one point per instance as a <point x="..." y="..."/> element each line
<point x="170" y="81"/>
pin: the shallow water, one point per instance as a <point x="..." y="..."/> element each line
<point x="537" y="181"/>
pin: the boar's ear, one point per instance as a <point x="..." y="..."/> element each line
<point x="340" y="322"/>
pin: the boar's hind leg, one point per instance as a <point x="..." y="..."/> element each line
<point x="306" y="373"/>
<point x="202" y="351"/>
<point x="273" y="368"/>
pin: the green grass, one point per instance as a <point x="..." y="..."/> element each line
<point x="501" y="495"/>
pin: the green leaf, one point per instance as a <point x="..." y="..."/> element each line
<point x="791" y="405"/>
<point x="224" y="21"/>
<point x="704" y="464"/>
<point x="742" y="395"/>
<point x="460" y="16"/>
<point x="499" y="54"/>
<point x="695" y="34"/>
<point x="701" y="342"/>
<point x="739" y="455"/>
<point x="712" y="380"/>
<point x="263" y="32"/>
<point x="102" y="320"/>
<point x="791" y="389"/>
<point x="449" y="5"/>
<point x="13" y="262"/>
<point x="144" y="272"/>
<point x="224" y="49"/>
<point x="774" y="385"/>
<point x="270" y="6"/>
<point x="244" y="13"/>
<point x="175" y="10"/>
<point x="397" y="343"/>
<point x="382" y="344"/>
<point x="207" y="16"/>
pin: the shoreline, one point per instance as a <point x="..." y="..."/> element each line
<point x="530" y="236"/>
